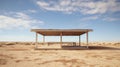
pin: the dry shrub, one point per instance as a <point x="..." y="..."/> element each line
<point x="26" y="57"/>
<point x="19" y="49"/>
<point x="10" y="43"/>
<point x="22" y="60"/>
<point x="17" y="43"/>
<point x="6" y="56"/>
<point x="92" y="65"/>
<point x="108" y="58"/>
<point x="17" y="61"/>
<point x="65" y="62"/>
<point x="27" y="43"/>
<point x="1" y="45"/>
<point x="96" y="56"/>
<point x="116" y="44"/>
<point x="37" y="59"/>
<point x="3" y="61"/>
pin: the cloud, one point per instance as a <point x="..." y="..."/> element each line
<point x="22" y="15"/>
<point x="19" y="20"/>
<point x="110" y="19"/>
<point x="82" y="6"/>
<point x="63" y="6"/>
<point x="89" y="18"/>
<point x="32" y="11"/>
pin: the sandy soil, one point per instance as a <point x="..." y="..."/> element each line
<point x="24" y="55"/>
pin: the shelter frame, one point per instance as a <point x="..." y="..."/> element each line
<point x="61" y="32"/>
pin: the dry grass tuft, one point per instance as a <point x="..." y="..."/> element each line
<point x="65" y="62"/>
<point x="11" y="43"/>
<point x="117" y="44"/>
<point x="26" y="57"/>
<point x="37" y="59"/>
<point x="18" y="49"/>
<point x="17" y="61"/>
<point x="6" y="56"/>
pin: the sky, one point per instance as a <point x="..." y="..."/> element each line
<point x="18" y="17"/>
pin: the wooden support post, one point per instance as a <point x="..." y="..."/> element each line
<point x="36" y="43"/>
<point x="87" y="38"/>
<point x="43" y="39"/>
<point x="61" y="39"/>
<point x="79" y="41"/>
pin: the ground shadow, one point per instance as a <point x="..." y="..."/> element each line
<point x="102" y="48"/>
<point x="80" y="48"/>
<point x="89" y="48"/>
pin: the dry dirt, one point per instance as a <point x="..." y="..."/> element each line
<point x="24" y="55"/>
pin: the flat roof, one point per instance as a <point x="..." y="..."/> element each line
<point x="64" y="32"/>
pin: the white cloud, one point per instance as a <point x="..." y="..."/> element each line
<point x="32" y="11"/>
<point x="20" y="20"/>
<point x="90" y="18"/>
<point x="42" y="3"/>
<point x="82" y="6"/>
<point x="22" y="15"/>
<point x="110" y="19"/>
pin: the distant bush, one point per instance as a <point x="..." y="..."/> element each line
<point x="117" y="44"/>
<point x="11" y="43"/>
<point x="3" y="61"/>
<point x="0" y="45"/>
<point x="27" y="43"/>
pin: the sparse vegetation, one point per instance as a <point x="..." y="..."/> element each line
<point x="11" y="43"/>
<point x="3" y="61"/>
<point x="23" y="53"/>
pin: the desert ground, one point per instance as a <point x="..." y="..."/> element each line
<point x="23" y="54"/>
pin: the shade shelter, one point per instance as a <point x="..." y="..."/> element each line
<point x="61" y="32"/>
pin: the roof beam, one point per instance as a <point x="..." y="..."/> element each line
<point x="65" y="32"/>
